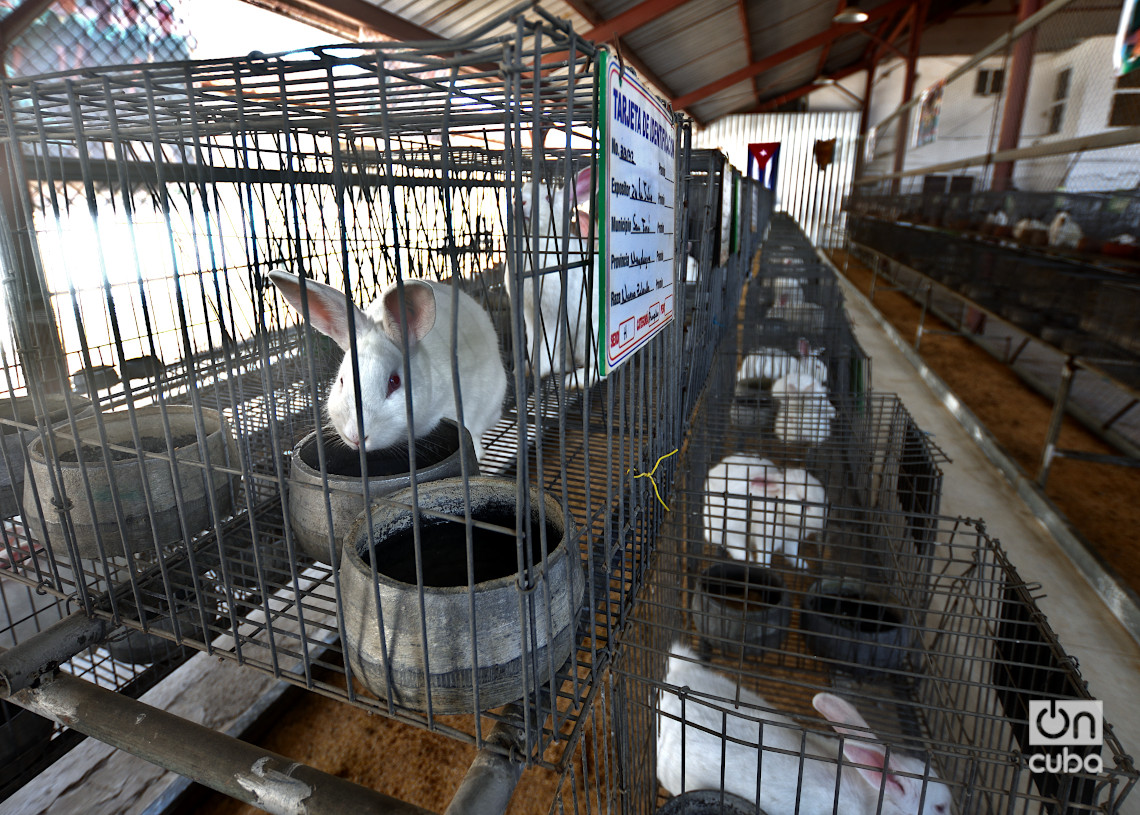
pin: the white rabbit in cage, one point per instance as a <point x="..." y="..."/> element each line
<point x="705" y="743"/>
<point x="787" y="291"/>
<point x="805" y="412"/>
<point x="773" y="363"/>
<point x="754" y="509"/>
<point x="380" y="353"/>
<point x="1064" y="232"/>
<point x="542" y="302"/>
<point x="791" y="308"/>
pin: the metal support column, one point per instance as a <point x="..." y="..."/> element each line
<point x="902" y="129"/>
<point x="1017" y="85"/>
<point x="1050" y="448"/>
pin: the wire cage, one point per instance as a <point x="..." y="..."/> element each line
<point x="191" y="487"/>
<point x="940" y="679"/>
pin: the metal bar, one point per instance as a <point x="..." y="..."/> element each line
<point x="902" y="131"/>
<point x="1014" y="111"/>
<point x="922" y="316"/>
<point x="1097" y="141"/>
<point x="1120" y="599"/>
<point x="1017" y="353"/>
<point x="1049" y="450"/>
<point x="802" y="90"/>
<point x="494" y="774"/>
<point x="18" y="20"/>
<point x="1120" y="413"/>
<point x="782" y="56"/>
<point x="997" y="45"/>
<point x="266" y="780"/>
<point x="23" y="664"/>
<point x="1097" y="458"/>
<point x="633" y="18"/>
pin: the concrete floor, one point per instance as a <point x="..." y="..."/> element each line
<point x="1108" y="656"/>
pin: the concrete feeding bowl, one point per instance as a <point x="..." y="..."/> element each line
<point x="709" y="802"/>
<point x="857" y="625"/>
<point x="549" y="594"/>
<point x="96" y="519"/>
<point x="439" y="454"/>
<point x="22" y="409"/>
<point x="741" y="609"/>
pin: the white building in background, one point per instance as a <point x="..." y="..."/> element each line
<point x="1071" y="93"/>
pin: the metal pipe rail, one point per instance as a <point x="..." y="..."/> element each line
<point x="1060" y="398"/>
<point x="266" y="780"/>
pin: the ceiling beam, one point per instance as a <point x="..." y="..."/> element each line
<point x="833" y="33"/>
<point x="18" y="19"/>
<point x="358" y="14"/>
<point x="768" y="105"/>
<point x="644" y="12"/>
<point x="825" y="52"/>
<point x="746" y="30"/>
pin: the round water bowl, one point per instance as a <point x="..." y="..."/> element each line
<point x="96" y="520"/>
<point x="141" y="648"/>
<point x="741" y="608"/>
<point x="549" y="594"/>
<point x="752" y="404"/>
<point x="859" y="626"/>
<point x="22" y="409"/>
<point x="708" y="802"/>
<point x="439" y="454"/>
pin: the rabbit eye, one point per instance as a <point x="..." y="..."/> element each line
<point x="393" y="383"/>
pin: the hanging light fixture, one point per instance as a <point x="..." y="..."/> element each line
<point x="851" y="15"/>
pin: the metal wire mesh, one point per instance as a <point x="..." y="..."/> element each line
<point x="159" y="198"/>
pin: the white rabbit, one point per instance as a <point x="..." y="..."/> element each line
<point x="1064" y="232"/>
<point x="797" y="773"/>
<point x="379" y="345"/>
<point x="773" y="363"/>
<point x="542" y="303"/>
<point x="787" y="291"/>
<point x="1024" y="228"/>
<point x="805" y="412"/>
<point x="692" y="269"/>
<point x="754" y="509"/>
<point x="803" y="315"/>
<point x="997" y="218"/>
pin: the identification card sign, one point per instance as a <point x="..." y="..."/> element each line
<point x="636" y="206"/>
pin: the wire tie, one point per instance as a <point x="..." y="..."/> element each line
<point x="649" y="475"/>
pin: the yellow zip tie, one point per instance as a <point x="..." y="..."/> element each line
<point x="649" y="475"/>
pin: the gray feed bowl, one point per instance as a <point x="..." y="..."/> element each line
<point x="858" y="626"/>
<point x="741" y="608"/>
<point x="439" y="454"/>
<point x="505" y="648"/>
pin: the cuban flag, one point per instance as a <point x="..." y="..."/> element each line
<point x="764" y="162"/>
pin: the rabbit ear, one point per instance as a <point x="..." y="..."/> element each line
<point x="841" y="713"/>
<point x="582" y="186"/>
<point x="326" y="305"/>
<point x="419" y="301"/>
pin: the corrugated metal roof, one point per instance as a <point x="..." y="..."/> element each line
<point x="693" y="43"/>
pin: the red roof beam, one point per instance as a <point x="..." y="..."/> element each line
<point x="803" y="90"/>
<point x="804" y="46"/>
<point x="645" y="12"/>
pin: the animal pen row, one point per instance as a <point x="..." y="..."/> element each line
<point x="186" y="244"/>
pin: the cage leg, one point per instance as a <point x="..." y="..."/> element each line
<point x="493" y="776"/>
<point x="922" y="316"/>
<point x="22" y="664"/>
<point x="1050" y="448"/>
<point x="233" y="767"/>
